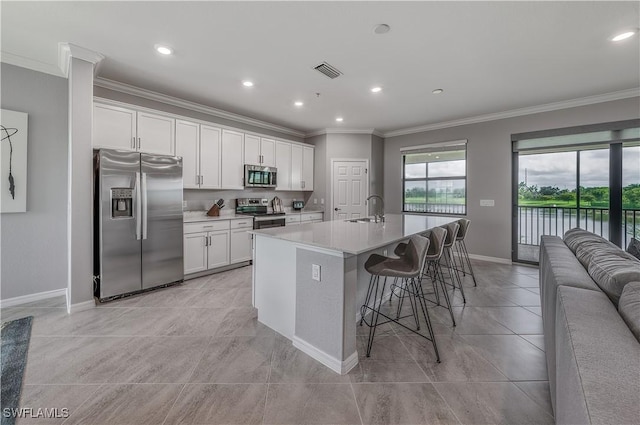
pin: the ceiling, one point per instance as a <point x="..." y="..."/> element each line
<point x="488" y="57"/>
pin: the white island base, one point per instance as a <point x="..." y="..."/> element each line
<point x="320" y="316"/>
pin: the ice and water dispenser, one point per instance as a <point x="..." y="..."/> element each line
<point x="121" y="202"/>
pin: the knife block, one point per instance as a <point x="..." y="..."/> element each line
<point x="214" y="211"/>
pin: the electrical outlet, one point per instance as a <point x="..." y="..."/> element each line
<point x="487" y="203"/>
<point x="184" y="204"/>
<point x="322" y="201"/>
<point x="315" y="272"/>
<point x="315" y="200"/>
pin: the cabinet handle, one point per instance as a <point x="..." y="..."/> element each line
<point x="138" y="143"/>
<point x="197" y="179"/>
<point x="201" y="179"/>
<point x="302" y="184"/>
<point x="207" y="227"/>
<point x="209" y="240"/>
<point x="133" y="143"/>
<point x="206" y="241"/>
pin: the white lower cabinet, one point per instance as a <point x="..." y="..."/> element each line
<point x="240" y="246"/>
<point x="213" y="244"/>
<point x="195" y="252"/>
<point x="218" y="249"/>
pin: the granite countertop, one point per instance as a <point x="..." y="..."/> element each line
<point x="195" y="216"/>
<point x="356" y="238"/>
<point x="304" y="211"/>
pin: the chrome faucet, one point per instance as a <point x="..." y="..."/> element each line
<point x="376" y="215"/>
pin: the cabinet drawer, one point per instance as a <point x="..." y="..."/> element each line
<point x="312" y="217"/>
<point x="292" y="219"/>
<point x="245" y="223"/>
<point x="206" y="226"/>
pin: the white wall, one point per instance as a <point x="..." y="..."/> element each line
<point x="489" y="165"/>
<point x="34" y="244"/>
<point x="345" y="146"/>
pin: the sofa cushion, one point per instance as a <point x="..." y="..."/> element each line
<point x="575" y="237"/>
<point x="612" y="272"/>
<point x="629" y="307"/>
<point x="587" y="249"/>
<point x="634" y="248"/>
<point x="597" y="361"/>
<point x="558" y="267"/>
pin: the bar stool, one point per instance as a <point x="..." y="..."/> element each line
<point x="408" y="268"/>
<point x="432" y="268"/>
<point x="461" y="249"/>
<point x="452" y="233"/>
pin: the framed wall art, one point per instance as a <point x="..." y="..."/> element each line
<point x="13" y="161"/>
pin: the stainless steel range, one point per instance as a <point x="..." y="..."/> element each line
<point x="259" y="209"/>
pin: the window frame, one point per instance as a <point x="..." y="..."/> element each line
<point x="427" y="179"/>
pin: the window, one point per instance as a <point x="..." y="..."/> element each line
<point x="583" y="177"/>
<point x="435" y="179"/>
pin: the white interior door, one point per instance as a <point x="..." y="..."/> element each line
<point x="349" y="187"/>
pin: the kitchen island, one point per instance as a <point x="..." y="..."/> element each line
<point x="309" y="281"/>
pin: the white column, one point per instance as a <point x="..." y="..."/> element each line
<point x="78" y="64"/>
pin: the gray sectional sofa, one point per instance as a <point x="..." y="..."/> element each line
<point x="590" y="298"/>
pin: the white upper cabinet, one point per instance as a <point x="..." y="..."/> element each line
<point x="283" y="164"/>
<point x="259" y="151"/>
<point x="210" y="157"/>
<point x="155" y="134"/>
<point x="121" y="128"/>
<point x="252" y="149"/>
<point x="307" y="168"/>
<point x="188" y="147"/>
<point x="268" y="152"/>
<point x="114" y="127"/>
<point x="296" y="167"/>
<point x="232" y="163"/>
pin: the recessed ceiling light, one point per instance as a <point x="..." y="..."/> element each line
<point x="437" y="157"/>
<point x="247" y="83"/>
<point x="437" y="91"/>
<point x="624" y="35"/>
<point x="298" y="103"/>
<point x="339" y="119"/>
<point x="163" y="50"/>
<point x="376" y="89"/>
<point x="381" y="29"/>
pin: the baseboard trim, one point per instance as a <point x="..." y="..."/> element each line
<point x="339" y="366"/>
<point x="490" y="259"/>
<point x="10" y="302"/>
<point x="86" y="305"/>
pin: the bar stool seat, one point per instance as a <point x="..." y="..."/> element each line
<point x="408" y="267"/>
<point x="432" y="268"/>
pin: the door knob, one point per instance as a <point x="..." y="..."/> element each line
<point x="336" y="209"/>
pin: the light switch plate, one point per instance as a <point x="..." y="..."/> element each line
<point x="315" y="272"/>
<point x="315" y="200"/>
<point x="322" y="201"/>
<point x="487" y="203"/>
<point x="184" y="204"/>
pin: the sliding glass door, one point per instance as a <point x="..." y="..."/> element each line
<point x="559" y="186"/>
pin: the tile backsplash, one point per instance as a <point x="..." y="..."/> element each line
<point x="202" y="200"/>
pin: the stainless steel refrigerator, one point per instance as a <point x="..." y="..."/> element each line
<point x="138" y="226"/>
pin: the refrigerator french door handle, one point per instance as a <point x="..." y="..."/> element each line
<point x="138" y="208"/>
<point x="144" y="206"/>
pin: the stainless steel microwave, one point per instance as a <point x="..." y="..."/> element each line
<point x="258" y="176"/>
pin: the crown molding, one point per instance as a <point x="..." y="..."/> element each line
<point x="322" y="131"/>
<point x="66" y="51"/>
<point x="565" y="104"/>
<point x="32" y="64"/>
<point x="192" y="106"/>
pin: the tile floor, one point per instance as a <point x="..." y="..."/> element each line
<point x="195" y="354"/>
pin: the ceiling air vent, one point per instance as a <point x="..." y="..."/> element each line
<point x="328" y="70"/>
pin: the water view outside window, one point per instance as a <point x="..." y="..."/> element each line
<point x="558" y="191"/>
<point x="435" y="182"/>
